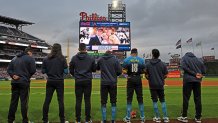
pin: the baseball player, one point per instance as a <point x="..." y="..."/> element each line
<point x="156" y="72"/>
<point x="81" y="67"/>
<point x="55" y="66"/>
<point x="193" y="73"/>
<point x="110" y="69"/>
<point x="134" y="66"/>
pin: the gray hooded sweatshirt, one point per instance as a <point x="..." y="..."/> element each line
<point x="110" y="69"/>
<point x="157" y="71"/>
<point x="191" y="66"/>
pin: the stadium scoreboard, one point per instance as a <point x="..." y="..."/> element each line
<point x="105" y="35"/>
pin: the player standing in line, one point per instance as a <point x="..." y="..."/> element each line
<point x="193" y="72"/>
<point x="156" y="72"/>
<point x="21" y="68"/>
<point x="110" y="69"/>
<point x="54" y="66"/>
<point x="134" y="66"/>
<point x="81" y="67"/>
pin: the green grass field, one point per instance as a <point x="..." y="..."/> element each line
<point x="173" y="99"/>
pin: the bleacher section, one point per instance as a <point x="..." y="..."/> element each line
<point x="10" y="52"/>
<point x="14" y="35"/>
<point x="38" y="75"/>
<point x="4" y="75"/>
<point x="13" y="41"/>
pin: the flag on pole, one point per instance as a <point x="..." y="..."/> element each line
<point x="189" y="41"/>
<point x="143" y="55"/>
<point x="178" y="42"/>
<point x="179" y="46"/>
<point x="147" y="56"/>
<point x="198" y="44"/>
<point x="212" y="48"/>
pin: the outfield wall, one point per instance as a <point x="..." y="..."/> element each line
<point x="211" y="68"/>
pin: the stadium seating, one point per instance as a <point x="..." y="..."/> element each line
<point x="14" y="41"/>
<point x="11" y="52"/>
<point x="39" y="75"/>
<point x="3" y="73"/>
<point x="21" y="36"/>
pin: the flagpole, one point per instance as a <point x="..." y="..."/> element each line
<point x="193" y="47"/>
<point x="169" y="56"/>
<point x="202" y="50"/>
<point x="181" y="50"/>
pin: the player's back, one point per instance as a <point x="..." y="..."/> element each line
<point x="134" y="65"/>
<point x="110" y="69"/>
<point x="83" y="65"/>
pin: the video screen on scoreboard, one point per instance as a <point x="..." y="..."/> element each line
<point x="105" y="35"/>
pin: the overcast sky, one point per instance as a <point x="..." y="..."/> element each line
<point x="154" y="23"/>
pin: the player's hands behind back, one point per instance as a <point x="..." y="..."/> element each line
<point x="199" y="76"/>
<point x="16" y="77"/>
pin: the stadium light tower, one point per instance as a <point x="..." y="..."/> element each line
<point x="116" y="4"/>
<point x="117" y="11"/>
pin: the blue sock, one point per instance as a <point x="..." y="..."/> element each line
<point x="103" y="112"/>
<point x="164" y="108"/>
<point x="155" y="106"/>
<point x="113" y="112"/>
<point x="128" y="110"/>
<point x="141" y="108"/>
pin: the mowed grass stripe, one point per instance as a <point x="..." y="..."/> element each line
<point x="173" y="99"/>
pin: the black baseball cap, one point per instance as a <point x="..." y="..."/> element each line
<point x="134" y="50"/>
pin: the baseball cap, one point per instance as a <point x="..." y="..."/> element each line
<point x="134" y="50"/>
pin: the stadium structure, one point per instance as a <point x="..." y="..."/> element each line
<point x="117" y="13"/>
<point x="13" y="41"/>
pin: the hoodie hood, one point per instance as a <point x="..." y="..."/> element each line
<point x="155" y="61"/>
<point x="189" y="54"/>
<point x="82" y="55"/>
<point x="107" y="56"/>
<point x="21" y="54"/>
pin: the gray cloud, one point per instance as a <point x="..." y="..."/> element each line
<point x="154" y="23"/>
<point x="160" y="24"/>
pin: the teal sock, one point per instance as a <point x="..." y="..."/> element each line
<point x="103" y="112"/>
<point x="141" y="108"/>
<point x="155" y="106"/>
<point x="113" y="112"/>
<point x="164" y="108"/>
<point x="128" y="111"/>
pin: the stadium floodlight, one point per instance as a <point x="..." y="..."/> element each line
<point x="116" y="4"/>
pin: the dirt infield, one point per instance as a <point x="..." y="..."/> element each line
<point x="171" y="121"/>
<point x="212" y="120"/>
<point x="179" y="83"/>
<point x="168" y="82"/>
